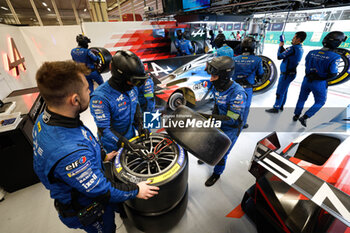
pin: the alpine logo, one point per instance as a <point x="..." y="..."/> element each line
<point x="13" y="60"/>
<point x="76" y="163"/>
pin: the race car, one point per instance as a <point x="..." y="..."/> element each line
<point x="189" y="84"/>
<point x="305" y="187"/>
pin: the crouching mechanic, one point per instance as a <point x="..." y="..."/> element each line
<point x="321" y="65"/>
<point x="68" y="158"/>
<point x="114" y="105"/>
<point x="247" y="67"/>
<point x="230" y="101"/>
<point x="84" y="55"/>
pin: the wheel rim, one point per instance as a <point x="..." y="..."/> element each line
<point x="176" y="100"/>
<point x="266" y="76"/>
<point x="160" y="157"/>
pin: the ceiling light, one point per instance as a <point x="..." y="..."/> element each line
<point x="44" y="4"/>
<point x="49" y="9"/>
<point x="4" y="8"/>
<point x="85" y="10"/>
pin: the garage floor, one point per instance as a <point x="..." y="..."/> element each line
<point x="31" y="210"/>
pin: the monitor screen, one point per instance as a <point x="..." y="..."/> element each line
<point x="191" y="5"/>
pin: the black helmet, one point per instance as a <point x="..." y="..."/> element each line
<point x="222" y="66"/>
<point x="127" y="66"/>
<point x="179" y="34"/>
<point x="248" y="45"/>
<point x="82" y="40"/>
<point x="333" y="39"/>
<point x="219" y="40"/>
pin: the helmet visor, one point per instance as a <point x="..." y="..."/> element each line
<point x="212" y="70"/>
<point x="138" y="80"/>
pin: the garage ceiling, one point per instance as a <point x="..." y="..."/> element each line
<point x="46" y="11"/>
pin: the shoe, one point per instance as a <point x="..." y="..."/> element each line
<point x="281" y="108"/>
<point x="295" y="117"/>
<point x="303" y="120"/>
<point x="271" y="110"/>
<point x="212" y="179"/>
<point x="245" y="126"/>
<point x="200" y="162"/>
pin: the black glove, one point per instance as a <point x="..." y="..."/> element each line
<point x="144" y="133"/>
<point x="130" y="145"/>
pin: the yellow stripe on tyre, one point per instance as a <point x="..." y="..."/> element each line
<point x="166" y="175"/>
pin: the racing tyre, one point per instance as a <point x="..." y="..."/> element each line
<point x="158" y="223"/>
<point x="207" y="143"/>
<point x="176" y="99"/>
<point x="165" y="163"/>
<point x="105" y="57"/>
<point x="343" y="68"/>
<point x="270" y="76"/>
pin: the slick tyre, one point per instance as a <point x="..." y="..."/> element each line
<point x="208" y="144"/>
<point x="105" y="57"/>
<point x="343" y="68"/>
<point x="158" y="223"/>
<point x="270" y="76"/>
<point x="176" y="99"/>
<point x="165" y="163"/>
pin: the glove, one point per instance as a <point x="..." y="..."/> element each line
<point x="130" y="145"/>
<point x="144" y="132"/>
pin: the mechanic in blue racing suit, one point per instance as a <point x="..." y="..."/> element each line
<point x="177" y="42"/>
<point x="67" y="157"/>
<point x="84" y="55"/>
<point x="114" y="105"/>
<point x="291" y="58"/>
<point x="247" y="67"/>
<point x="230" y="101"/>
<point x="186" y="47"/>
<point x="321" y="65"/>
<point x="146" y="96"/>
<point x="223" y="48"/>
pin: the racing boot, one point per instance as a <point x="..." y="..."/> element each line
<point x="200" y="162"/>
<point x="272" y="110"/>
<point x="295" y="117"/>
<point x="212" y="179"/>
<point x="303" y="120"/>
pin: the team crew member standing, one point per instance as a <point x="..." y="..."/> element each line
<point x="247" y="66"/>
<point x="230" y="101"/>
<point x="114" y="105"/>
<point x="84" y="55"/>
<point x="177" y="42"/>
<point x="320" y="66"/>
<point x="68" y="158"/>
<point x="186" y="47"/>
<point x="223" y="49"/>
<point x="291" y="58"/>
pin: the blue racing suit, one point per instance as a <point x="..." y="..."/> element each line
<point x="68" y="161"/>
<point x="320" y="65"/>
<point x="186" y="47"/>
<point x="291" y="58"/>
<point x="113" y="111"/>
<point x="246" y="68"/>
<point x="84" y="55"/>
<point x="230" y="103"/>
<point x="146" y="96"/>
<point x="225" y="50"/>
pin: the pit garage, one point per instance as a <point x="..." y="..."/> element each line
<point x="280" y="176"/>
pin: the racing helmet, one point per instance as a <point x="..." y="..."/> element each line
<point x="222" y="66"/>
<point x="127" y="66"/>
<point x="333" y="39"/>
<point x="248" y="45"/>
<point x="219" y="40"/>
<point x="82" y="40"/>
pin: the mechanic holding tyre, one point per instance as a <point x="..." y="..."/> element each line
<point x="247" y="66"/>
<point x="321" y="65"/>
<point x="230" y="101"/>
<point x="291" y="58"/>
<point x="84" y="55"/>
<point x="67" y="157"/>
<point x="114" y="105"/>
